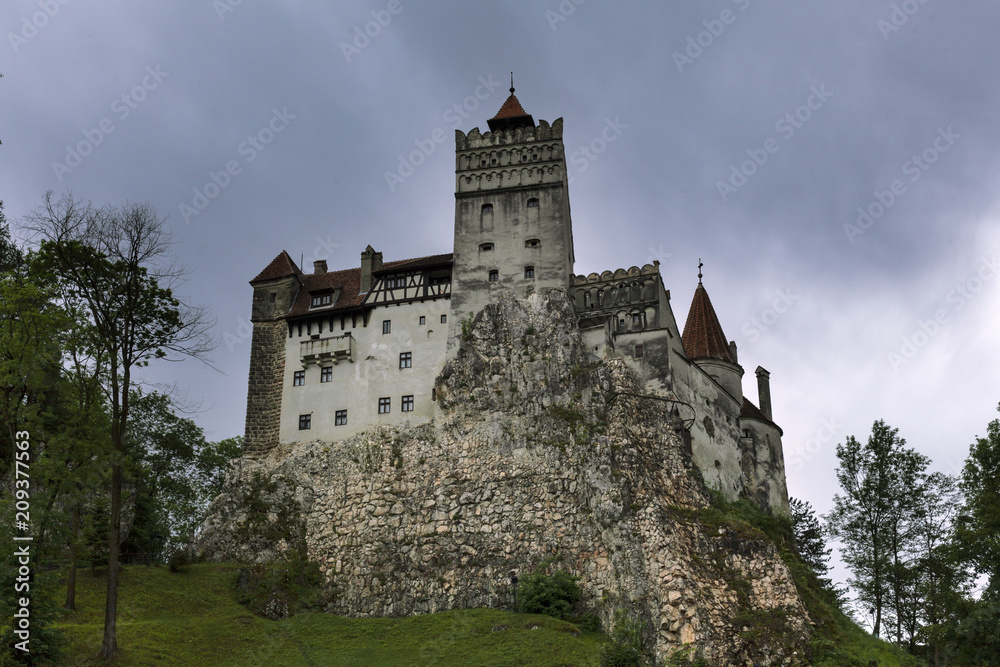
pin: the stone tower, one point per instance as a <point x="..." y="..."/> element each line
<point x="512" y="217"/>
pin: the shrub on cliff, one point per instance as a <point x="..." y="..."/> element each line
<point x="553" y="595"/>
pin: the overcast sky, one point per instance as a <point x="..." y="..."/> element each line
<point x="750" y="134"/>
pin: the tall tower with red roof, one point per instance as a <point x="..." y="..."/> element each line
<point x="512" y="215"/>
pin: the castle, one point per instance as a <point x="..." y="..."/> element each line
<point x="336" y="352"/>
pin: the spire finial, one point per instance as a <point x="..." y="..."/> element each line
<point x="512" y="82"/>
<point x="700" y="264"/>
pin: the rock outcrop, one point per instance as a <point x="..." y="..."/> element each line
<point x="540" y="450"/>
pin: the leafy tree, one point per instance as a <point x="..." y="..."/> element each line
<point x="553" y="595"/>
<point x="978" y="531"/>
<point x="111" y="259"/>
<point x="872" y="517"/>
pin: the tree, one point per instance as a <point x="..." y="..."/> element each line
<point x="809" y="540"/>
<point x="871" y="516"/>
<point x="978" y="532"/>
<point x="112" y="259"/>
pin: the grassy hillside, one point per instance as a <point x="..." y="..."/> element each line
<point x="193" y="618"/>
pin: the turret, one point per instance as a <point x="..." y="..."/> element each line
<point x="705" y="344"/>
<point x="512" y="216"/>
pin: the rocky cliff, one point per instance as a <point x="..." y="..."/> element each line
<point x="540" y="450"/>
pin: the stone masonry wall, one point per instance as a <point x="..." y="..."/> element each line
<point x="536" y="454"/>
<point x="267" y="368"/>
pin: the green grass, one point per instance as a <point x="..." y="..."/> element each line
<point x="193" y="618"/>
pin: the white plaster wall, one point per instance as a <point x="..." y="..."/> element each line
<point x="374" y="373"/>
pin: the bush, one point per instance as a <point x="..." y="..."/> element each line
<point x="626" y="648"/>
<point x="280" y="589"/>
<point x="179" y="559"/>
<point x="554" y="595"/>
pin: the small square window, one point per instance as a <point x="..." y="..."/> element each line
<point x="299" y="379"/>
<point x="494" y="276"/>
<point x="532" y="203"/>
<point x="638" y="351"/>
<point x="423" y="320"/>
<point x="305" y="422"/>
<point x="386" y="326"/>
<point x="384" y="405"/>
<point x="529" y="272"/>
<point x="487" y="208"/>
<point x="340" y="419"/>
<point x="326" y="374"/>
<point x="405" y="359"/>
<point x="408" y="404"/>
<point x="444" y="319"/>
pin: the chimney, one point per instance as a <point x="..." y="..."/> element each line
<point x="732" y="350"/>
<point x="319" y="266"/>
<point x="371" y="262"/>
<point x="764" y="391"/>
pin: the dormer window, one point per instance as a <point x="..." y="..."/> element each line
<point x="321" y="300"/>
<point x="487" y="208"/>
<point x="533" y="202"/>
<point x="485" y="247"/>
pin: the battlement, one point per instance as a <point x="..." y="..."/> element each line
<point x="521" y="135"/>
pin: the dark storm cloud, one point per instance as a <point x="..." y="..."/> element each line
<point x="748" y="133"/>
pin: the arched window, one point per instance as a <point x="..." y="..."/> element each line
<point x="485" y="247"/>
<point x="487" y="208"/>
<point x="494" y="276"/>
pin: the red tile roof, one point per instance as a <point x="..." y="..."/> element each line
<point x="703" y="337"/>
<point x="510" y="109"/>
<point x="751" y="411"/>
<point x="280" y="267"/>
<point x="349" y="283"/>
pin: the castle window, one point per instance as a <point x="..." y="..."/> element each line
<point x="621" y="323"/>
<point x="383" y="405"/>
<point x="326" y="374"/>
<point x="533" y="203"/>
<point x="340" y="419"/>
<point x="321" y="300"/>
<point x="485" y="247"/>
<point x="407" y="404"/>
<point x="444" y="319"/>
<point x="299" y="379"/>
<point x="487" y="208"/>
<point x="638" y="351"/>
<point x="434" y="393"/>
<point x="637" y="319"/>
<point x="493" y="162"/>
<point x="386" y="326"/>
<point x="274" y="295"/>
<point x="423" y="320"/>
<point x="405" y="359"/>
<point x="532" y="243"/>
<point x="305" y="422"/>
<point x="494" y="276"/>
<point x="529" y="272"/>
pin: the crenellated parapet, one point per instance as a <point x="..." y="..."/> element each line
<point x="520" y="135"/>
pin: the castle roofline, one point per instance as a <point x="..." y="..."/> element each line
<point x="750" y="411"/>
<point x="703" y="337"/>
<point x="281" y="266"/>
<point x="348" y="281"/>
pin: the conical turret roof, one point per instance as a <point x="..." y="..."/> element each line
<point x="511" y="114"/>
<point x="703" y="337"/>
